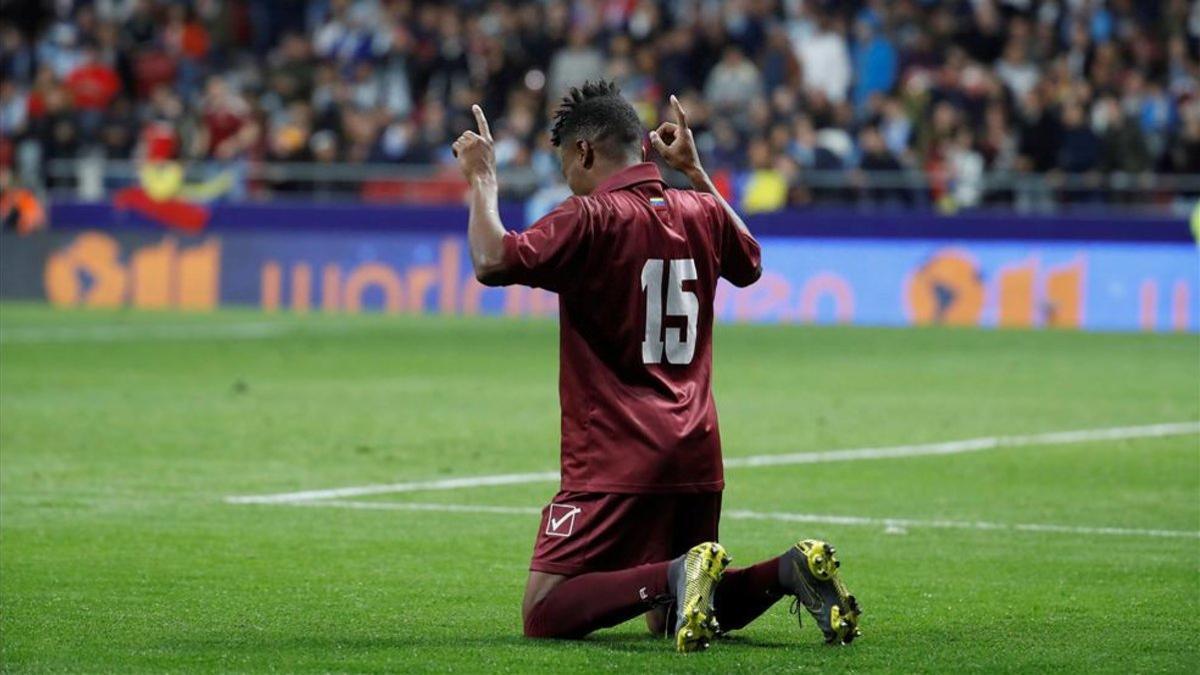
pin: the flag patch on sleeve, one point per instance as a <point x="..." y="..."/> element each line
<point x="658" y="202"/>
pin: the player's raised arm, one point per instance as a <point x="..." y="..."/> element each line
<point x="485" y="232"/>
<point x="674" y="141"/>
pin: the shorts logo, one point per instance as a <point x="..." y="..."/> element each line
<point x="561" y="520"/>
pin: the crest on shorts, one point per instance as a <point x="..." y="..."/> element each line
<point x="560" y="522"/>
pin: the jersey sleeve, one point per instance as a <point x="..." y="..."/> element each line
<point x="741" y="255"/>
<point x="549" y="254"/>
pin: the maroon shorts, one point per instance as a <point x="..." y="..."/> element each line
<point x="597" y="531"/>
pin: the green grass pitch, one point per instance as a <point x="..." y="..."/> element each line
<point x="121" y="435"/>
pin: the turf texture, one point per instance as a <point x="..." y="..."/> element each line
<point x="121" y="435"/>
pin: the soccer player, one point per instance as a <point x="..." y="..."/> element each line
<point x="635" y="265"/>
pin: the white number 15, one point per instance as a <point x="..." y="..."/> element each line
<point x="680" y="350"/>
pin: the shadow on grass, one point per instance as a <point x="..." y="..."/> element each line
<point x="634" y="642"/>
<point x="631" y="643"/>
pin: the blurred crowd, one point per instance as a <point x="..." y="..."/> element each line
<point x="782" y="93"/>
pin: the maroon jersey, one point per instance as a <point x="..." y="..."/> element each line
<point x="635" y="266"/>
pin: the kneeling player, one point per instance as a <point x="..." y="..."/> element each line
<point x="635" y="266"/>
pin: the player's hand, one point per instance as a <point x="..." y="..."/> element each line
<point x="474" y="151"/>
<point x="673" y="140"/>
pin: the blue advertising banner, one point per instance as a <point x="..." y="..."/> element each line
<point x="1102" y="286"/>
<point x="404" y="260"/>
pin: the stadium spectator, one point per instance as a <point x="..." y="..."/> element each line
<point x="1040" y="131"/>
<point x="733" y="83"/>
<point x="578" y="61"/>
<point x="877" y="159"/>
<point x="14" y="109"/>
<point x="766" y="184"/>
<point x="824" y="56"/>
<point x="1016" y="71"/>
<point x="1184" y="154"/>
<point x="227" y="127"/>
<point x="93" y="84"/>
<point x="875" y="62"/>
<point x="1080" y="149"/>
<point x="965" y="167"/>
<point x="19" y="62"/>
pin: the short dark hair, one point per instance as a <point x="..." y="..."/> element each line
<point x="597" y="113"/>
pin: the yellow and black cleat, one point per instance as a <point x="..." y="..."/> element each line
<point x="694" y="587"/>
<point x="810" y="571"/>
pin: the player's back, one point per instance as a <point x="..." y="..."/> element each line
<point x="636" y="268"/>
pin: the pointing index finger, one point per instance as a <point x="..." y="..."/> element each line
<point x="482" y="122"/>
<point x="679" y="114"/>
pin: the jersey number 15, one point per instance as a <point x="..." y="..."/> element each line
<point x="679" y="349"/>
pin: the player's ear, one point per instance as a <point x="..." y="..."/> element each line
<point x="587" y="154"/>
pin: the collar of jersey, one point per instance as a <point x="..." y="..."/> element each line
<point x="644" y="172"/>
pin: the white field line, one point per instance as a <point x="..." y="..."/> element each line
<point x="421" y="506"/>
<point x="892" y="452"/>
<point x="416" y="486"/>
<point x="971" y="445"/>
<point x="247" y="330"/>
<point x="892" y="524"/>
<point x="123" y="332"/>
